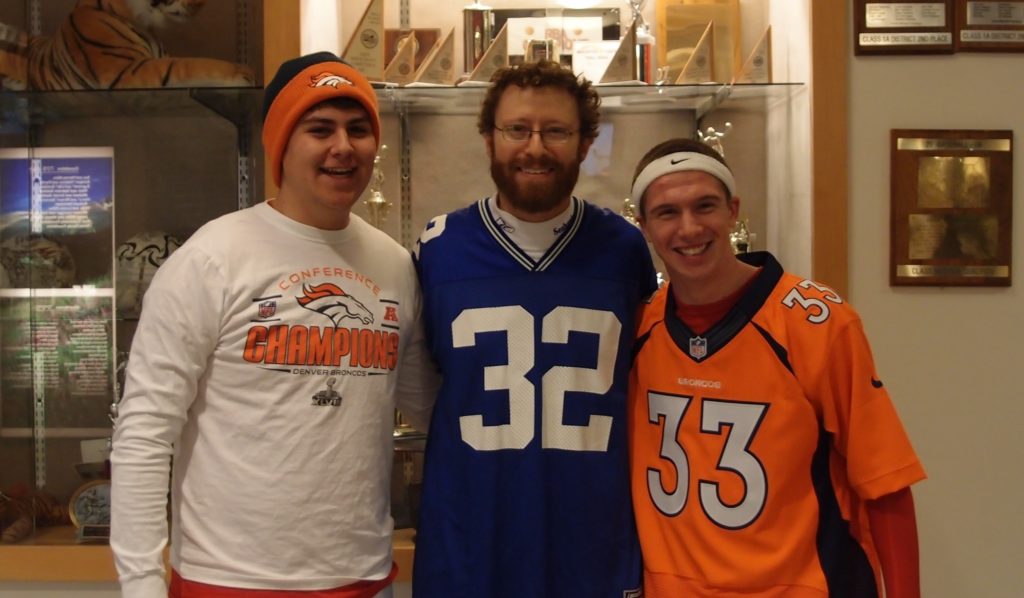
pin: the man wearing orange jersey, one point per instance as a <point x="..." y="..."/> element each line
<point x="767" y="458"/>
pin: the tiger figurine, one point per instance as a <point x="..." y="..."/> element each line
<point x="109" y="44"/>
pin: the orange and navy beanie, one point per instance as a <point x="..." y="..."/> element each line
<point x="302" y="83"/>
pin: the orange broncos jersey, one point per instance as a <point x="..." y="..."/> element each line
<point x="755" y="446"/>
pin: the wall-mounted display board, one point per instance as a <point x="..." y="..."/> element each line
<point x="989" y="26"/>
<point x="909" y="27"/>
<point x="952" y="196"/>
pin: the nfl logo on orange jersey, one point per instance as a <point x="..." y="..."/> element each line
<point x="698" y="347"/>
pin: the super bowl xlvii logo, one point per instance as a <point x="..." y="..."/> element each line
<point x="329" y="397"/>
<point x="698" y="347"/>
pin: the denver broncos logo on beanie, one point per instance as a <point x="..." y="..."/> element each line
<point x="300" y="84"/>
<point x="321" y="79"/>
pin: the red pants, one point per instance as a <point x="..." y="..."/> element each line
<point x="183" y="588"/>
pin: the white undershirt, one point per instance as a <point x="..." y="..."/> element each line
<point x="534" y="238"/>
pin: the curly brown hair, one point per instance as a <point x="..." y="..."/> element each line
<point x="544" y="73"/>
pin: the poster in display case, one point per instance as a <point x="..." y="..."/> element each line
<point x="56" y="287"/>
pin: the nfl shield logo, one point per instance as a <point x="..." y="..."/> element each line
<point x="698" y="347"/>
<point x="268" y="308"/>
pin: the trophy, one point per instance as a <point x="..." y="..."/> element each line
<point x="713" y="138"/>
<point x="628" y="211"/>
<point x="644" y="44"/>
<point x="741" y="238"/>
<point x="478" y="33"/>
<point x="365" y="50"/>
<point x="376" y="206"/>
<point x="758" y="67"/>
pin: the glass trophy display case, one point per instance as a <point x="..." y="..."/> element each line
<point x="97" y="187"/>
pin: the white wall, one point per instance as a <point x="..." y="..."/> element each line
<point x="949" y="356"/>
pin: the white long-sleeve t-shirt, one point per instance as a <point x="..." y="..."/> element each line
<point x="268" y="362"/>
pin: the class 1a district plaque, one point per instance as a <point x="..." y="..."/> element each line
<point x="951" y="207"/>
<point x="908" y="27"/>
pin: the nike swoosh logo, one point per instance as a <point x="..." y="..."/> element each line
<point x="876" y="383"/>
<point x="674" y="162"/>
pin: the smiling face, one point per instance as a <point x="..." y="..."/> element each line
<point x="535" y="179"/>
<point x="327" y="164"/>
<point x="687" y="216"/>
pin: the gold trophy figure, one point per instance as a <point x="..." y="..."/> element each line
<point x="628" y="212"/>
<point x="377" y="206"/>
<point x="741" y="238"/>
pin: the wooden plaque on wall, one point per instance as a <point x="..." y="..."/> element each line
<point x="907" y="27"/>
<point x="989" y="26"/>
<point x="951" y="210"/>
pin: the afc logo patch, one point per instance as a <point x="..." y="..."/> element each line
<point x="390" y="314"/>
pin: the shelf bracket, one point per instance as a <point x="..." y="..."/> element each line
<point x="39" y="415"/>
<point x="405" y="176"/>
<point x="708" y="105"/>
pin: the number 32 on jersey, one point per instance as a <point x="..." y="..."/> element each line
<point x="518" y="326"/>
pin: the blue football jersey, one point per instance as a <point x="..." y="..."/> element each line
<point x="526" y="483"/>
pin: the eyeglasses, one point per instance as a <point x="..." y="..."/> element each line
<point x="548" y="135"/>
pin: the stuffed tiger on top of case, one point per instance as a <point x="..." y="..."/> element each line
<point x="109" y="44"/>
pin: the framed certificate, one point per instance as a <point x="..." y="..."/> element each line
<point x="909" y="27"/>
<point x="951" y="213"/>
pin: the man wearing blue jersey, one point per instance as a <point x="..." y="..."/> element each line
<point x="529" y="301"/>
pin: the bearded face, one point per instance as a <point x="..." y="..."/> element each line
<point x="534" y="185"/>
<point x="535" y="177"/>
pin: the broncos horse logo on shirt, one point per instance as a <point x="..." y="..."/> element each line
<point x="329" y="300"/>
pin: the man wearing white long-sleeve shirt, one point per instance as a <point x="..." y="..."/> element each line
<point x="272" y="350"/>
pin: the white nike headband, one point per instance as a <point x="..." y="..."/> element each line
<point x="680" y="162"/>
